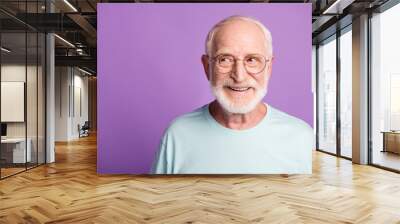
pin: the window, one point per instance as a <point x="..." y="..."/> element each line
<point x="346" y="92"/>
<point x="385" y="88"/>
<point x="327" y="95"/>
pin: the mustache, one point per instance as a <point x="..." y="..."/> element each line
<point x="229" y="83"/>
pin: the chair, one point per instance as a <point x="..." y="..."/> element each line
<point x="84" y="130"/>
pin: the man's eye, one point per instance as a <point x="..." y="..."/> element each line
<point x="251" y="60"/>
<point x="225" y="59"/>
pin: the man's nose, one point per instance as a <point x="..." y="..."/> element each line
<point x="238" y="72"/>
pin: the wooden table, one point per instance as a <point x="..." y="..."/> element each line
<point x="391" y="141"/>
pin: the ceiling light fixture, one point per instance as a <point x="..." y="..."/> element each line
<point x="70" y="5"/>
<point x="79" y="51"/>
<point x="337" y="7"/>
<point x="64" y="40"/>
<point x="5" y="50"/>
<point x="329" y="9"/>
<point x="84" y="71"/>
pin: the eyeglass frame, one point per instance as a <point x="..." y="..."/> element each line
<point x="236" y="59"/>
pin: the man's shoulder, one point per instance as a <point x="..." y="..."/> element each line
<point x="188" y="120"/>
<point x="285" y="119"/>
<point x="300" y="132"/>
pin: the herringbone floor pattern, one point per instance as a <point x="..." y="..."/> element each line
<point x="70" y="191"/>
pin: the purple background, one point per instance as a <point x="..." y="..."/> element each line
<point x="149" y="71"/>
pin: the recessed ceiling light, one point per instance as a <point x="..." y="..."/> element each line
<point x="64" y="40"/>
<point x="84" y="71"/>
<point x="337" y="7"/>
<point x="5" y="50"/>
<point x="70" y="5"/>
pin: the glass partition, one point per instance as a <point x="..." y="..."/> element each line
<point x="14" y="154"/>
<point x="22" y="77"/>
<point x="327" y="95"/>
<point x="385" y="89"/>
<point x="41" y="91"/>
<point x="31" y="100"/>
<point x="346" y="93"/>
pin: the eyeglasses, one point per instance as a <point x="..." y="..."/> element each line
<point x="253" y="63"/>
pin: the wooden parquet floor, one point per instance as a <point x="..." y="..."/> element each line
<point x="70" y="191"/>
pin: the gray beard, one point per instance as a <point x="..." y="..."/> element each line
<point x="230" y="106"/>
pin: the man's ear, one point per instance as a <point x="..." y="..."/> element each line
<point x="206" y="65"/>
<point x="270" y="65"/>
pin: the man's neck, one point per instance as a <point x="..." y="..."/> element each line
<point x="238" y="121"/>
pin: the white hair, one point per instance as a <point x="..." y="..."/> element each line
<point x="214" y="29"/>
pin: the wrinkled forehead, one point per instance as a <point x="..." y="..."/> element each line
<point x="239" y="38"/>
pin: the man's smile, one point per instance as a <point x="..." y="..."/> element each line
<point x="238" y="89"/>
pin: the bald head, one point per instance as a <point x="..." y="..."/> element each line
<point x="237" y="88"/>
<point x="239" y="28"/>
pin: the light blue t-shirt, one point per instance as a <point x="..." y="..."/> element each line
<point x="195" y="143"/>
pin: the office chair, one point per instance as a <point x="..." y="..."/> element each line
<point x="84" y="130"/>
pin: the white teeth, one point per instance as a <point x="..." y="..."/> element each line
<point x="239" y="89"/>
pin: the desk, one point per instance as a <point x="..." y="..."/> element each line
<point x="13" y="150"/>
<point x="391" y="141"/>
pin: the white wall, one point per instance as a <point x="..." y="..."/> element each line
<point x="62" y="81"/>
<point x="79" y="112"/>
<point x="12" y="73"/>
<point x="70" y="83"/>
<point x="12" y="101"/>
<point x="33" y="126"/>
<point x="16" y="72"/>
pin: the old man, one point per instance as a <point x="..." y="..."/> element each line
<point x="237" y="133"/>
